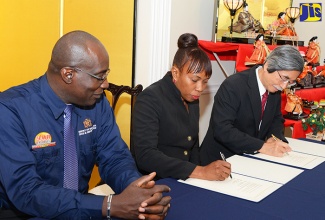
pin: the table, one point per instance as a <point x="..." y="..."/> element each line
<point x="301" y="198"/>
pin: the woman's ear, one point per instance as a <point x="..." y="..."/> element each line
<point x="175" y="72"/>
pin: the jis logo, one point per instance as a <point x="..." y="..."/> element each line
<point x="310" y="12"/>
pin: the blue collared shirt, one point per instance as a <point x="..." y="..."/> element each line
<point x="31" y="153"/>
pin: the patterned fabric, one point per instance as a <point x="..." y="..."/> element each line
<point x="264" y="99"/>
<point x="70" y="178"/>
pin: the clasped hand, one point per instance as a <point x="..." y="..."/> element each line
<point x="142" y="199"/>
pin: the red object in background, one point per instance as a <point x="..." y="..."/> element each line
<point x="225" y="51"/>
<point x="310" y="94"/>
<point x="233" y="51"/>
<point x="237" y="52"/>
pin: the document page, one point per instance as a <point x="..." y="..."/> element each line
<point x="252" y="179"/>
<point x="262" y="169"/>
<point x="293" y="158"/>
<point x="307" y="147"/>
<point x="239" y="186"/>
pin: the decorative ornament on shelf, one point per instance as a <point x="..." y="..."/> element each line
<point x="319" y="79"/>
<point x="261" y="51"/>
<point x="273" y="27"/>
<point x="313" y="52"/>
<point x="316" y="122"/>
<point x="233" y="6"/>
<point x="294" y="107"/>
<point x="293" y="13"/>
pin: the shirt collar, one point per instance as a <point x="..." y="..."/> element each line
<point x="261" y="88"/>
<point x="55" y="104"/>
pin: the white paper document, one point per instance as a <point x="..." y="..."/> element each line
<point x="294" y="158"/>
<point x="240" y="186"/>
<point x="307" y="147"/>
<point x="262" y="169"/>
<point x="252" y="179"/>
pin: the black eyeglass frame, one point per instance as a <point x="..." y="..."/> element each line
<point x="286" y="80"/>
<point x="101" y="79"/>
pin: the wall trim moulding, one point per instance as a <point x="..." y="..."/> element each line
<point x="160" y="39"/>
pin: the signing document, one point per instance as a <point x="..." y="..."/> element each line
<point x="307" y="147"/>
<point x="252" y="179"/>
<point x="304" y="154"/>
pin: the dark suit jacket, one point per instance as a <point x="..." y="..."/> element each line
<point x="235" y="118"/>
<point x="164" y="135"/>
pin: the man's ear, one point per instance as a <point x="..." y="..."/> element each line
<point x="67" y="74"/>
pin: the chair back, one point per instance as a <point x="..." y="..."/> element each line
<point x="117" y="90"/>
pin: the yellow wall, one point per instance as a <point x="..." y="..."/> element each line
<point x="28" y="31"/>
<point x="30" y="28"/>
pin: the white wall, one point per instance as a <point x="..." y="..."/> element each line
<point x="159" y="24"/>
<point x="190" y="16"/>
<point x="307" y="30"/>
<point x="206" y="100"/>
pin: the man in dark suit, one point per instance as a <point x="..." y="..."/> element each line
<point x="239" y="122"/>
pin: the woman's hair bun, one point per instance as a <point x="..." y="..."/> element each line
<point x="187" y="40"/>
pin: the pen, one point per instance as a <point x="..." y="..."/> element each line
<point x="277" y="139"/>
<point x="224" y="159"/>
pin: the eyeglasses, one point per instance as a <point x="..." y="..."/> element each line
<point x="101" y="79"/>
<point x="286" y="80"/>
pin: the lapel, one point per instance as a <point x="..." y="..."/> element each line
<point x="254" y="96"/>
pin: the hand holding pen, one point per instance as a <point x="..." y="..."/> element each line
<point x="217" y="170"/>
<point x="224" y="159"/>
<point x="277" y="139"/>
<point x="275" y="147"/>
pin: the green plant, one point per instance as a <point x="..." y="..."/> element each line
<point x="316" y="121"/>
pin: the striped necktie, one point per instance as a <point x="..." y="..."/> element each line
<point x="264" y="99"/>
<point x="70" y="178"/>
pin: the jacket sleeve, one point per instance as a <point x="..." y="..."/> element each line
<point x="115" y="162"/>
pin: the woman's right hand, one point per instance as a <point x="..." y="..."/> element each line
<point x="217" y="170"/>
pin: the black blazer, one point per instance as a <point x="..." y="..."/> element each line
<point x="235" y="118"/>
<point x="164" y="134"/>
